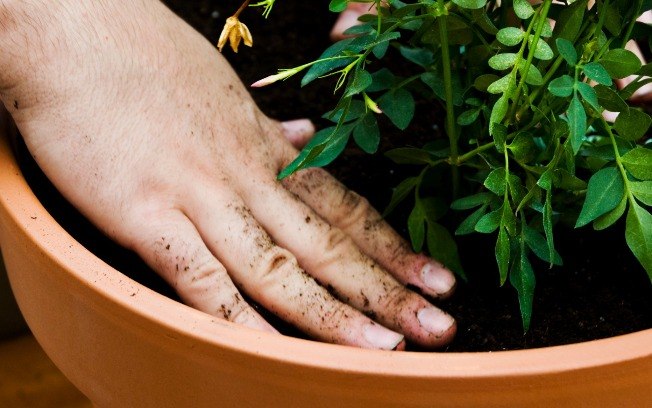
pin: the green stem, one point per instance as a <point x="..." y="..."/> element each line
<point x="469" y="155"/>
<point x="451" y="129"/>
<point x="542" y="16"/>
<point x="619" y="161"/>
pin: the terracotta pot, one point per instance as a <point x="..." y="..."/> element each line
<point x="124" y="345"/>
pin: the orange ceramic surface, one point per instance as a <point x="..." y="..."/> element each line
<point x="124" y="345"/>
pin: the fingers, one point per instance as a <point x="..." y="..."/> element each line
<point x="331" y="256"/>
<point x="171" y="245"/>
<point x="351" y="213"/>
<point x="272" y="276"/>
<point x="298" y="132"/>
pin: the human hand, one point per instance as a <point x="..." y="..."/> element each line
<point x="143" y="126"/>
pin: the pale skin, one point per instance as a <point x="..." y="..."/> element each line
<point x="145" y="128"/>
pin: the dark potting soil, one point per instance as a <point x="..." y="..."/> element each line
<point x="601" y="291"/>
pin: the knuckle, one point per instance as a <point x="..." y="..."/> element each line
<point x="352" y="208"/>
<point x="275" y="261"/>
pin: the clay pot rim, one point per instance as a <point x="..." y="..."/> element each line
<point x="23" y="208"/>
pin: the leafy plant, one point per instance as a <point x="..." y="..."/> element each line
<point x="526" y="142"/>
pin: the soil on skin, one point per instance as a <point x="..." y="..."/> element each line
<point x="600" y="292"/>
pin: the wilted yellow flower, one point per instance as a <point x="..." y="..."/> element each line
<point x="234" y="31"/>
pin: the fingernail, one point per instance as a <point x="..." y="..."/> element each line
<point x="437" y="278"/>
<point x="434" y="320"/>
<point x="380" y="337"/>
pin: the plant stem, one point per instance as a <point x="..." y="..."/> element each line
<point x="542" y="15"/>
<point x="469" y="155"/>
<point x="241" y="9"/>
<point x="606" y="125"/>
<point x="451" y="129"/>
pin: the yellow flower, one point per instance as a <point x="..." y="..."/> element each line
<point x="234" y="31"/>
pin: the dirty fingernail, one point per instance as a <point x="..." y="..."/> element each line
<point x="380" y="337"/>
<point x="437" y="278"/>
<point x="435" y="321"/>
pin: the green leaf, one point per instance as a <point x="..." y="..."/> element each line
<point x="589" y="95"/>
<point x="523" y="147"/>
<point x="468" y="117"/>
<point x="522" y="279"/>
<point x="359" y="82"/>
<point x="539" y="245"/>
<point x="382" y="79"/>
<point x="508" y="220"/>
<point x="570" y="21"/>
<point x="632" y="124"/>
<point x="596" y="72"/>
<point x="500" y="86"/>
<point x="504" y="61"/>
<point x="498" y="112"/>
<point x="495" y="181"/>
<point x="567" y="51"/>
<point x="610" y="218"/>
<point x="562" y="86"/>
<point x="638" y="162"/>
<point x="545" y="180"/>
<point x="409" y="155"/>
<point x="435" y="81"/>
<point x="468" y="225"/>
<point x="613" y="20"/>
<point x="337" y="6"/>
<point x="533" y="76"/>
<point x="476" y="200"/>
<point x="576" y="123"/>
<point x="470" y="4"/>
<point x="542" y="50"/>
<point x="642" y="190"/>
<point x="503" y="254"/>
<point x="417" y="227"/>
<point x="610" y="100"/>
<point x="620" y="63"/>
<point x="399" y="107"/>
<point x="566" y="181"/>
<point x="420" y="56"/>
<point x="366" y="134"/>
<point x="443" y="248"/>
<point x="606" y="189"/>
<point x="324" y="147"/>
<point x="489" y="222"/>
<point x="510" y="36"/>
<point x="523" y="9"/>
<point x="399" y="194"/>
<point x="638" y="234"/>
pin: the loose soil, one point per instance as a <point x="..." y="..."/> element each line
<point x="600" y="292"/>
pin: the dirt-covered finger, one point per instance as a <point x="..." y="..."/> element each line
<point x="333" y="258"/>
<point x="171" y="245"/>
<point x="271" y="275"/>
<point x="354" y="215"/>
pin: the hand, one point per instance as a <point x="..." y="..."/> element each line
<point x="143" y="126"/>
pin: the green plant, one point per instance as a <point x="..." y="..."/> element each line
<point x="526" y="142"/>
